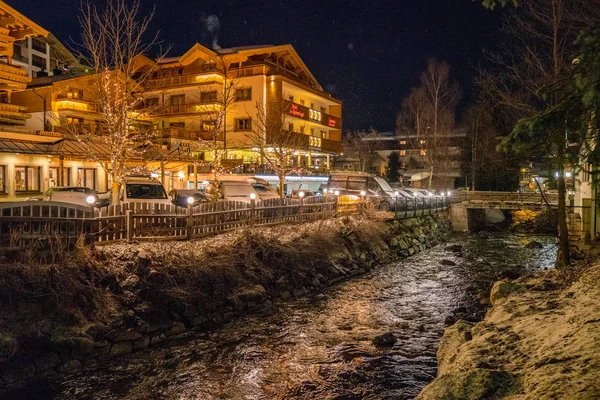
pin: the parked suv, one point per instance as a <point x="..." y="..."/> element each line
<point x="141" y="188"/>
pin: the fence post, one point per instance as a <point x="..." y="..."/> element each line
<point x="252" y="209"/>
<point x="190" y="221"/>
<point x="129" y="224"/>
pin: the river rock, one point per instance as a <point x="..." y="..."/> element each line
<point x="71" y="366"/>
<point x="447" y="262"/>
<point x="119" y="349"/>
<point x="128" y="336"/>
<point x="393" y="242"/>
<point x="534" y="245"/>
<point x="385" y="340"/>
<point x="455" y="248"/>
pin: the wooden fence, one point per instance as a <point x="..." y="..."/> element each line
<point x="34" y="221"/>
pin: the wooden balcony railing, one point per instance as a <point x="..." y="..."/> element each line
<point x="13" y="114"/>
<point x="187" y="134"/>
<point x="14" y="74"/>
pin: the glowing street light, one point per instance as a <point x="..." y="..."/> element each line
<point x="337" y="192"/>
<point x="190" y="200"/>
<point x="252" y="196"/>
<point x="301" y="194"/>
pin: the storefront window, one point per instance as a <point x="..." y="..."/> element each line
<point x="86" y="177"/>
<point x="53" y="177"/>
<point x="27" y="179"/>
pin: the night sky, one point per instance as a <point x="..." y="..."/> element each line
<point x="367" y="53"/>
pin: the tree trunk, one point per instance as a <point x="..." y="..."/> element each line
<point x="115" y="192"/>
<point x="563" y="231"/>
<point x="282" y="186"/>
<point x="430" y="176"/>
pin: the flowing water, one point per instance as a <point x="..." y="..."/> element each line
<point x="321" y="347"/>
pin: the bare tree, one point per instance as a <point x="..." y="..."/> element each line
<point x="112" y="37"/>
<point x="357" y="145"/>
<point x="427" y="115"/>
<point x="537" y="53"/>
<point x="214" y="107"/>
<point x="273" y="136"/>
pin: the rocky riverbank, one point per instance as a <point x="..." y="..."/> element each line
<point x="108" y="302"/>
<point x="540" y="340"/>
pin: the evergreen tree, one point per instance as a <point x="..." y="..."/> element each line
<point x="392" y="174"/>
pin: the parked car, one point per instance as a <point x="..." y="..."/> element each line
<point x="179" y="197"/>
<point x="263" y="188"/>
<point x="141" y="188"/>
<point x="68" y="194"/>
<point x="232" y="190"/>
<point x="376" y="189"/>
<point x="296" y="193"/>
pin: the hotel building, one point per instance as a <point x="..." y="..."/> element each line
<point x="185" y="92"/>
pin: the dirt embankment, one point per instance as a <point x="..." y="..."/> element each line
<point x="540" y="340"/>
<point x="106" y="302"/>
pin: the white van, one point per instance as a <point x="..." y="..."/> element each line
<point x="143" y="189"/>
<point x="232" y="190"/>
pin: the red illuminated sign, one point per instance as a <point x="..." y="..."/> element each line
<point x="295" y="111"/>
<point x="303" y="112"/>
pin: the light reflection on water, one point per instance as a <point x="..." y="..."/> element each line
<point x="315" y="349"/>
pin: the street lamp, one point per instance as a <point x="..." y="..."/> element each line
<point x="252" y="196"/>
<point x="91" y="200"/>
<point x="190" y="200"/>
<point x="337" y="192"/>
<point x="301" y="194"/>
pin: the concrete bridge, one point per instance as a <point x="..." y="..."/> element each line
<point x="464" y="204"/>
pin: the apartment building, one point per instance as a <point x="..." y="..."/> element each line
<point x="189" y="93"/>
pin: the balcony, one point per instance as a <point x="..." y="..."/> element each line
<point x="331" y="146"/>
<point x="190" y="108"/>
<point x="13" y="114"/>
<point x="187" y="134"/>
<point x="64" y="103"/>
<point x="200" y="77"/>
<point x="13" y="77"/>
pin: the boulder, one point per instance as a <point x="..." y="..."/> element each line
<point x="393" y="242"/>
<point x="128" y="336"/>
<point x="119" y="349"/>
<point x="471" y="385"/>
<point x="455" y="248"/>
<point x="534" y="245"/>
<point x="385" y="340"/>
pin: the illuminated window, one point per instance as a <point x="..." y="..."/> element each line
<point x="53" y="177"/>
<point x="86" y="177"/>
<point x="422" y="141"/>
<point x="402" y="153"/>
<point x="243" y="94"/>
<point x="243" y="124"/>
<point x="423" y="153"/>
<point x="27" y="179"/>
<point x="75" y="94"/>
<point x="403" y="142"/>
<point x="74" y="121"/>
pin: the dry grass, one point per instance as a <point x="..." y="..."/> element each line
<point x="101" y="286"/>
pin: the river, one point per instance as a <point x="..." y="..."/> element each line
<point x="321" y="347"/>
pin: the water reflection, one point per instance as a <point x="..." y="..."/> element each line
<point x="322" y="347"/>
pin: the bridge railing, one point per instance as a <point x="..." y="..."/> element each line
<point x="504" y="197"/>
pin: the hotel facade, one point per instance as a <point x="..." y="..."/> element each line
<point x="38" y="102"/>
